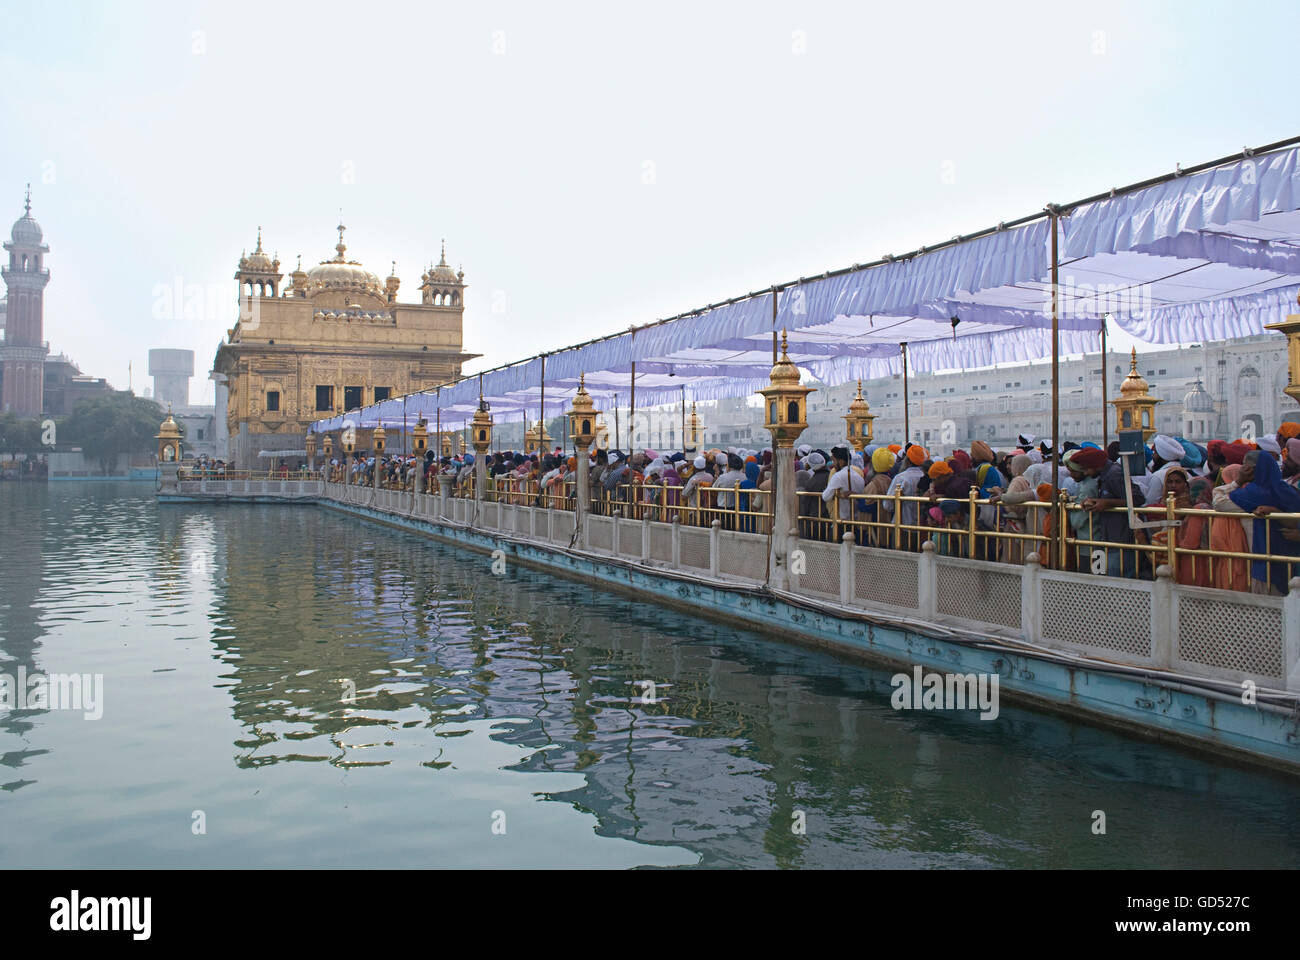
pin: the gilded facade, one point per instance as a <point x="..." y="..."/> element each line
<point x="332" y="339"/>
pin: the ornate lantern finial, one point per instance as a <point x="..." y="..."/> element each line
<point x="858" y="429"/>
<point x="1135" y="407"/>
<point x="582" y="416"/>
<point x="786" y="401"/>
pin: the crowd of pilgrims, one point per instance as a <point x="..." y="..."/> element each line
<point x="1231" y="488"/>
<point x="202" y="468"/>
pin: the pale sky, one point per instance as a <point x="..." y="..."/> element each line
<point x="591" y="166"/>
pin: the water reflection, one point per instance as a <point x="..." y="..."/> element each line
<point x="368" y="669"/>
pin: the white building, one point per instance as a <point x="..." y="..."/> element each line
<point x="1222" y="389"/>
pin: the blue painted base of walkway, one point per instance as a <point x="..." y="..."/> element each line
<point x="1146" y="704"/>
<point x="236" y="498"/>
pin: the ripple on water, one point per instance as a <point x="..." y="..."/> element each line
<point x="333" y="693"/>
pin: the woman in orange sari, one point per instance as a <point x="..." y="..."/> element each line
<point x="1036" y="515"/>
<point x="1192" y="534"/>
<point x="1229" y="535"/>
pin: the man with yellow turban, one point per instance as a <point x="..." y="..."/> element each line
<point x="882" y="460"/>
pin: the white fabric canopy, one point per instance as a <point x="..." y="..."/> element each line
<point x="1211" y="255"/>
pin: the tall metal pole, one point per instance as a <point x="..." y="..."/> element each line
<point x="541" y="429"/>
<point x="1105" y="425"/>
<point x="683" y="419"/>
<point x="907" y="426"/>
<point x="631" y="417"/>
<point x="774" y="311"/>
<point x="1056" y="358"/>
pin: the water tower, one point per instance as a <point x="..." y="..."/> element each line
<point x="171" y="371"/>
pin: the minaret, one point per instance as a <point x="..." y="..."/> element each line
<point x="443" y="287"/>
<point x="22" y="363"/>
<point x="259" y="275"/>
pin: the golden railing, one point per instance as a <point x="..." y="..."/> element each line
<point x="185" y="472"/>
<point x="745" y="511"/>
<point x="1063" y="535"/>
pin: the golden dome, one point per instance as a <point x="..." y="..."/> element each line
<point x="168" y="430"/>
<point x="258" y="261"/>
<point x="1133" y="385"/>
<point x="582" y="402"/>
<point x="443" y="273"/>
<point x="784" y="373"/>
<point x="859" y="408"/>
<point x="341" y="274"/>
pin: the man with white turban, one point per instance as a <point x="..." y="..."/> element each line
<point x="1168" y="453"/>
<point x="697" y="480"/>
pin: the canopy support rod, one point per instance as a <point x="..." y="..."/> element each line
<point x="1105" y="425"/>
<point x="907" y="431"/>
<point x="775" y="358"/>
<point x="541" y="430"/>
<point x="1054" y="217"/>
<point x="631" y="416"/>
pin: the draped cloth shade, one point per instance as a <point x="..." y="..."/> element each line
<point x="1209" y="255"/>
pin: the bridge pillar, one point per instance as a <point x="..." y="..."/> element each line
<point x="1291" y="634"/>
<point x="444" y="495"/>
<point x="1162" y="615"/>
<point x="582" y="492"/>
<point x="785" y="508"/>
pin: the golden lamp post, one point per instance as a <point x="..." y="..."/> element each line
<point x="169" y="452"/>
<point x="694" y="432"/>
<point x="1135" y="407"/>
<point x="481" y="431"/>
<point x="858" y="428"/>
<point x="169" y="440"/>
<point x="419" y="444"/>
<point x="379" y="437"/>
<point x="1291" y="327"/>
<point x="536" y="439"/>
<point x="785" y="407"/>
<point x="582" y="428"/>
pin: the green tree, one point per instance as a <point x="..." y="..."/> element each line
<point x="18" y="435"/>
<point x="112" y="426"/>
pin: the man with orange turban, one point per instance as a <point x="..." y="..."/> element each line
<point x="904" y="483"/>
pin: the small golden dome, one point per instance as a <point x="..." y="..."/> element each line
<point x="1133" y="385"/>
<point x="258" y="261"/>
<point x="582" y="402"/>
<point x="859" y="408"/>
<point x="168" y="430"/>
<point x="443" y="273"/>
<point x="784" y="373"/>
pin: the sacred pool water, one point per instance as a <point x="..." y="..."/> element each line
<point x="283" y="686"/>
